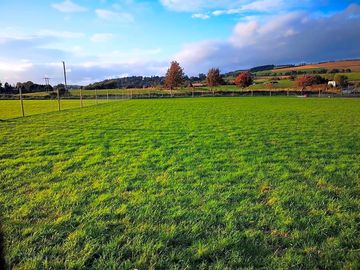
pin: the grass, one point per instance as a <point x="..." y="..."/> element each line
<point x="212" y="183"/>
<point x="352" y="76"/>
<point x="281" y="84"/>
<point x="12" y="108"/>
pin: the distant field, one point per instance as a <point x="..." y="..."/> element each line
<point x="281" y="84"/>
<point x="120" y="92"/>
<point x="353" y="65"/>
<point x="203" y="183"/>
<point x="352" y="76"/>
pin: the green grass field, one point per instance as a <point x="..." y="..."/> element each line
<point x="352" y="76"/>
<point x="212" y="183"/>
<point x="12" y="108"/>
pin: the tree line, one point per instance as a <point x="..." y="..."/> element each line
<point x="30" y="87"/>
<point x="175" y="77"/>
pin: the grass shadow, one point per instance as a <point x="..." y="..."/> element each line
<point x="2" y="248"/>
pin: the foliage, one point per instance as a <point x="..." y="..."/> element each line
<point x="30" y="87"/>
<point x="127" y="82"/>
<point x="341" y="80"/>
<point x="308" y="80"/>
<point x="262" y="68"/>
<point x="230" y="183"/>
<point x="213" y="77"/>
<point x="61" y="88"/>
<point x="174" y="76"/>
<point x="244" y="79"/>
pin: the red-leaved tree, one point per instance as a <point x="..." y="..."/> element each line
<point x="304" y="81"/>
<point x="174" y="76"/>
<point x="244" y="79"/>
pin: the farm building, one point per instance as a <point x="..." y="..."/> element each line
<point x="332" y="83"/>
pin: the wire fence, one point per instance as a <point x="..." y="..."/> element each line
<point x="25" y="104"/>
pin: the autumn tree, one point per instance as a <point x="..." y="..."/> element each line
<point x="213" y="77"/>
<point x="304" y="81"/>
<point x="174" y="76"/>
<point x="244" y="79"/>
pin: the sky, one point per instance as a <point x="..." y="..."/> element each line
<point x="116" y="38"/>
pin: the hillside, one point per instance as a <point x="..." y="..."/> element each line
<point x="354" y="65"/>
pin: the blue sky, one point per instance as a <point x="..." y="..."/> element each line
<point x="114" y="38"/>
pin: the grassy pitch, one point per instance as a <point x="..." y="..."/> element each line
<point x="211" y="183"/>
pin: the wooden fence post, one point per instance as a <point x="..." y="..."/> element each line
<point x="81" y="99"/>
<point x="58" y="98"/>
<point x="21" y="102"/>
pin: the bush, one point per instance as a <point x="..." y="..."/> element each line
<point x="341" y="80"/>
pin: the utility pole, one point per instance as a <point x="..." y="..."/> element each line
<point x="47" y="83"/>
<point x="65" y="75"/>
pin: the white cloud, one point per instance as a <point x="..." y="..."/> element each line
<point x="102" y="37"/>
<point x="60" y="34"/>
<point x="263" y="5"/>
<point x="200" y="16"/>
<point x="18" y="66"/>
<point x="193" y="5"/>
<point x="224" y="6"/>
<point x="109" y="15"/>
<point x="282" y="39"/>
<point x="258" y="6"/>
<point x="68" y="6"/>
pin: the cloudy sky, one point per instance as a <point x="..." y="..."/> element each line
<point x="114" y="38"/>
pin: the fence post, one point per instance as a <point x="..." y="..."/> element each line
<point x="81" y="99"/>
<point x="107" y="95"/>
<point x="58" y="98"/>
<point x="96" y="96"/>
<point x="21" y="102"/>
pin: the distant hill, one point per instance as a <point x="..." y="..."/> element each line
<point x="354" y="65"/>
<point x="265" y="70"/>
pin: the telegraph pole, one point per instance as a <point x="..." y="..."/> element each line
<point x="65" y="86"/>
<point x="65" y="75"/>
<point x="47" y="83"/>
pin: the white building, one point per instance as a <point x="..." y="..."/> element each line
<point x="332" y="83"/>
